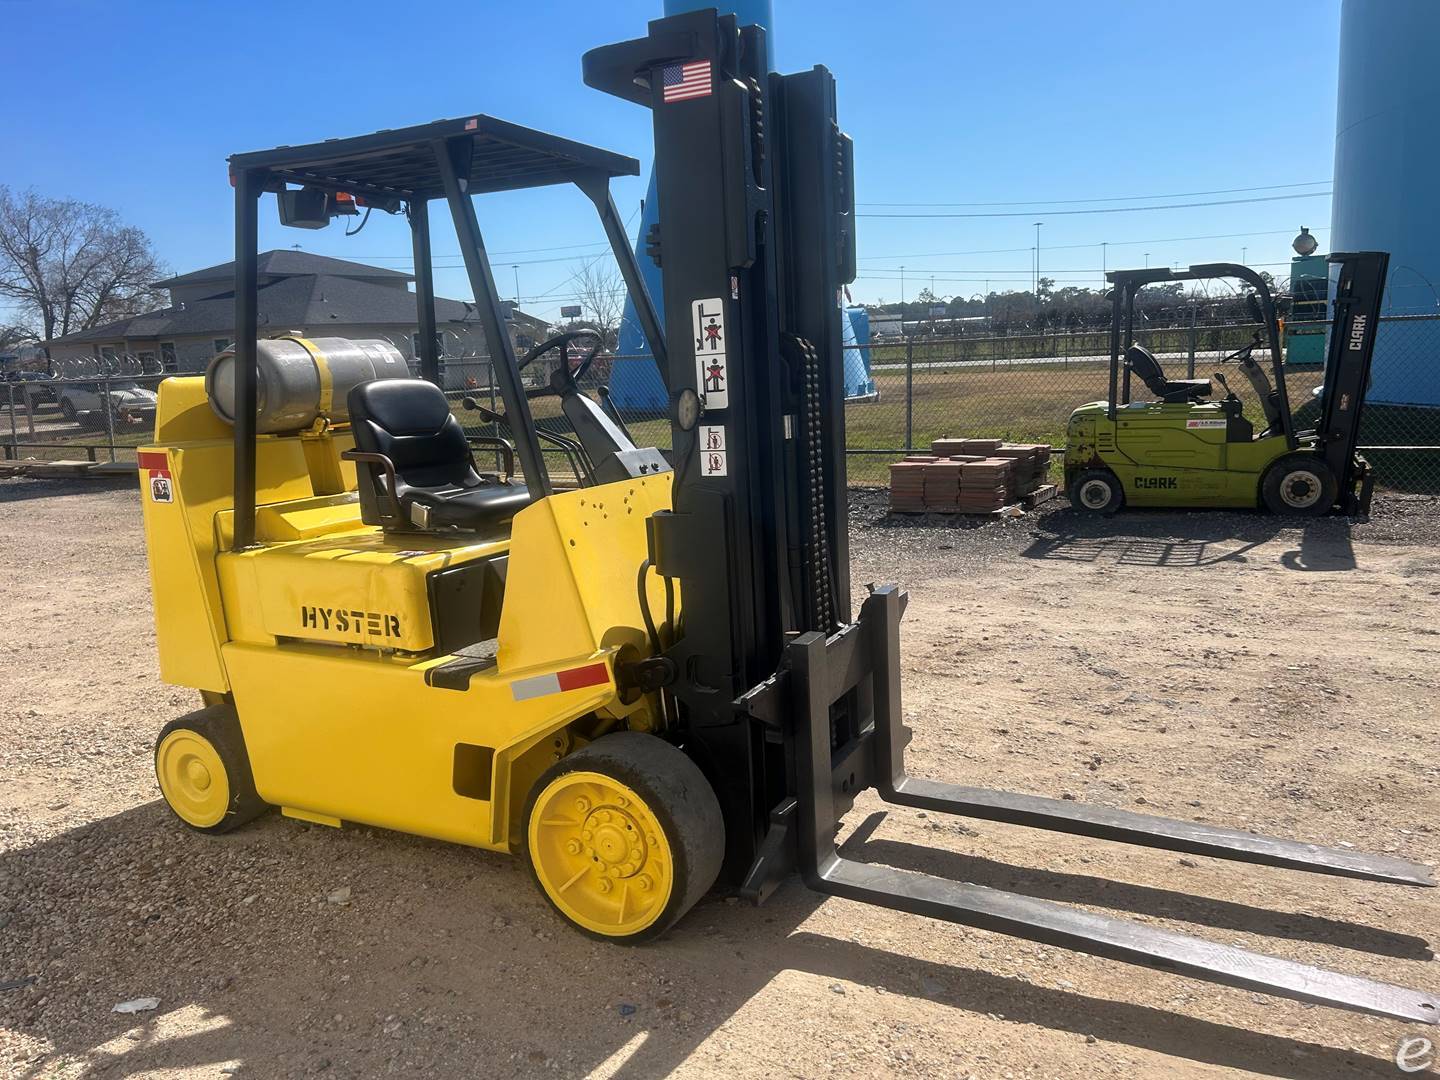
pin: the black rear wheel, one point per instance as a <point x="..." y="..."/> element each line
<point x="1300" y="485"/>
<point x="1097" y="491"/>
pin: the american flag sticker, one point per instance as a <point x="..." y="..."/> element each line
<point x="684" y="81"/>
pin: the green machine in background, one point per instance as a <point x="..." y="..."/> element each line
<point x="1310" y="294"/>
<point x="1182" y="449"/>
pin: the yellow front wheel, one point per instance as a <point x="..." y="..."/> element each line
<point x="624" y="836"/>
<point x="204" y="772"/>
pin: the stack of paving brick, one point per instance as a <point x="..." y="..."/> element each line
<point x="1032" y="464"/>
<point x="907" y="487"/>
<point x="969" y="476"/>
<point x="986" y="485"/>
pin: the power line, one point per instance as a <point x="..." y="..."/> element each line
<point x="1095" y="244"/>
<point x="1110" y="198"/>
<point x="1112" y="209"/>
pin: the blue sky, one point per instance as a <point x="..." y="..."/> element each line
<point x="136" y="106"/>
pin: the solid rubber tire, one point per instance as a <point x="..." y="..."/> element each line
<point x="676" y="792"/>
<point x="220" y="727"/>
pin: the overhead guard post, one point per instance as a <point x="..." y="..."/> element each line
<point x="492" y="320"/>
<point x="248" y="185"/>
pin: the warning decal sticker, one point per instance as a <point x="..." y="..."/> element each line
<point x="712" y="451"/>
<point x="712" y="376"/>
<point x="1205" y="423"/>
<point x="157" y="468"/>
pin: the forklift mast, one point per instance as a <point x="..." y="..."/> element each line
<point x="787" y="699"/>
<point x="756" y="239"/>
<point x="1359" y="289"/>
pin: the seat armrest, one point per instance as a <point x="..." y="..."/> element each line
<point x="385" y="501"/>
<point x="494" y="442"/>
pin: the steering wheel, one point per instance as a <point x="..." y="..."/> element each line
<point x="1242" y="354"/>
<point x="564" y="378"/>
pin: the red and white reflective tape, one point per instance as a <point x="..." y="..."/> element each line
<point x="560" y="681"/>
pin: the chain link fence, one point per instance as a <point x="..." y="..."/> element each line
<point x="1019" y="387"/>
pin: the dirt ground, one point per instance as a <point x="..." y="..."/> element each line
<point x="1213" y="667"/>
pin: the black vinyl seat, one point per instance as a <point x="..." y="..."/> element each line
<point x="416" y="469"/>
<point x="1143" y="363"/>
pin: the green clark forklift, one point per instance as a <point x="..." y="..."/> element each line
<point x="1182" y="447"/>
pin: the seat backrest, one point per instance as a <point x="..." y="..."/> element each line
<point x="1143" y="363"/>
<point x="409" y="421"/>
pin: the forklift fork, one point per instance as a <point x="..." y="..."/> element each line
<point x="822" y="671"/>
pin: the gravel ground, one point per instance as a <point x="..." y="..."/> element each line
<point x="1217" y="667"/>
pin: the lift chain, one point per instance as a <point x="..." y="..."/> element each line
<point x="802" y="355"/>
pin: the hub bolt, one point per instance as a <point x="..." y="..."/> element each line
<point x="604" y="885"/>
<point x="573" y="847"/>
<point x="582" y="804"/>
<point x="644" y="882"/>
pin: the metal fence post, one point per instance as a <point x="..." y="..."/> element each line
<point x="1194" y="334"/>
<point x="14" y="435"/>
<point x="109" y="415"/>
<point x="909" y="393"/>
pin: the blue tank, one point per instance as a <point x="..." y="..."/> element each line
<point x="1387" y="179"/>
<point x="635" y="384"/>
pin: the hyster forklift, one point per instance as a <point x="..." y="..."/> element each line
<point x="644" y="685"/>
<point x="1183" y="448"/>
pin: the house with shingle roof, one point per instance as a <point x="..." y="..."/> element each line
<point x="313" y="295"/>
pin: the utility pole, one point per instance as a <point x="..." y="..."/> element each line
<point x="1244" y="256"/>
<point x="1037" y="258"/>
<point x="902" y="300"/>
<point x="516" y="268"/>
<point x="1104" y="262"/>
<point x="1147" y="260"/>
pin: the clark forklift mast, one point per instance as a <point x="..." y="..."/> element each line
<point x="1184" y="449"/>
<point x="383" y="634"/>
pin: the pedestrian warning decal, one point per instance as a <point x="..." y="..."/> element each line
<point x="712" y="377"/>
<point x="712" y="450"/>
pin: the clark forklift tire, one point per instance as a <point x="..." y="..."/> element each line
<point x="1299" y="485"/>
<point x="204" y="771"/>
<point x="1097" y="491"/>
<point x="623" y="837"/>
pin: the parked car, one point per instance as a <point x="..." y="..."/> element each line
<point x="130" y="403"/>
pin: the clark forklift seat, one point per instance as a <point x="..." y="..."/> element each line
<point x="1142" y="361"/>
<point x="416" y="469"/>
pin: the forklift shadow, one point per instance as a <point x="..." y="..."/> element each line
<point x="444" y="954"/>
<point x="1191" y="539"/>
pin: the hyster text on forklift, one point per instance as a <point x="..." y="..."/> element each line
<point x="1183" y="449"/>
<point x="642" y="685"/>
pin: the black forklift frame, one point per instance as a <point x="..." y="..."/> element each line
<point x="1127" y="285"/>
<point x="788" y="704"/>
<point x="1359" y="289"/>
<point x="409" y="168"/>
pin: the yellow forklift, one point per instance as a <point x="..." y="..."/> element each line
<point x="644" y="685"/>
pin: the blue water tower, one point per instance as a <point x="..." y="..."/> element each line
<point x="1387" y="181"/>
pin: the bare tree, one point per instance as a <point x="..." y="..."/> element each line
<point x="68" y="266"/>
<point x="602" y="294"/>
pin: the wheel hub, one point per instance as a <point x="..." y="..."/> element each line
<point x="192" y="778"/>
<point x="600" y="854"/>
<point x="1095" y="493"/>
<point x="1300" y="489"/>
<point x="612" y="839"/>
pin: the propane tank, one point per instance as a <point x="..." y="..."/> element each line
<point x="289" y="384"/>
